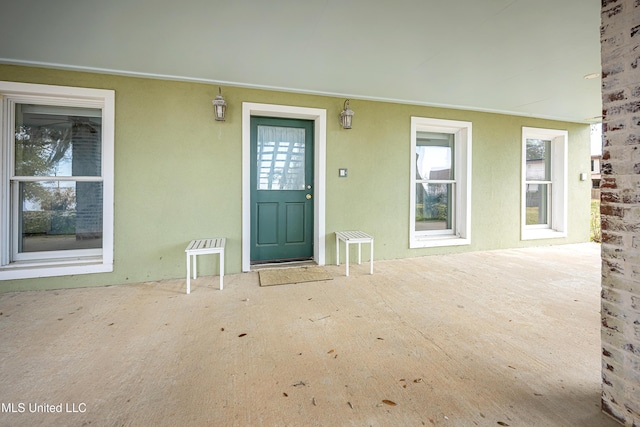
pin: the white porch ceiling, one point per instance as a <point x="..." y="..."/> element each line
<point x="523" y="57"/>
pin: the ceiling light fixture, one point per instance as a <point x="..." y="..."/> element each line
<point x="592" y="76"/>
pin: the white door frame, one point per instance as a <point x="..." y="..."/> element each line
<point x="319" y="116"/>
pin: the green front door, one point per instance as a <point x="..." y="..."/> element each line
<point x="281" y="189"/>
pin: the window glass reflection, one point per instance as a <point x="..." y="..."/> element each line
<point x="60" y="215"/>
<point x="434" y="156"/>
<point x="281" y="158"/>
<point x="57" y="141"/>
<point x="537" y="204"/>
<point x="538" y="160"/>
<point x="434" y="206"/>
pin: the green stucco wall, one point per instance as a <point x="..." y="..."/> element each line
<point x="178" y="174"/>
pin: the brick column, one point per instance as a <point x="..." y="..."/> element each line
<point x="620" y="210"/>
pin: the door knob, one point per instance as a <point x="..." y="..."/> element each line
<point x="308" y="196"/>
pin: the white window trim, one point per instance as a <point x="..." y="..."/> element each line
<point x="462" y="132"/>
<point x="102" y="262"/>
<point x="559" y="183"/>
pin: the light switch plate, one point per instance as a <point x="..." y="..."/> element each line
<point x="342" y="172"/>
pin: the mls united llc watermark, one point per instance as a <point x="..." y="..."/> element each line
<point x="43" y="408"/>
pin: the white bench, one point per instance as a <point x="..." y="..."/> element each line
<point x="202" y="247"/>
<point x="350" y="237"/>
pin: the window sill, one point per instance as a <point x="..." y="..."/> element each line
<point x="542" y="234"/>
<point x="31" y="270"/>
<point x="437" y="241"/>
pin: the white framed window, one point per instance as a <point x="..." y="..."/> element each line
<point x="544" y="183"/>
<point x="56" y="181"/>
<point x="440" y="193"/>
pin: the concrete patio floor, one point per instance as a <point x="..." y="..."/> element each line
<point x="508" y="337"/>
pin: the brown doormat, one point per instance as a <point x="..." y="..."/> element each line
<point x="285" y="276"/>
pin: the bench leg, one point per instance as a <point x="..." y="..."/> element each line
<point x="337" y="251"/>
<point x="195" y="266"/>
<point x="221" y="268"/>
<point x="346" y="251"/>
<point x="371" y="262"/>
<point x="359" y="253"/>
<point x="188" y="275"/>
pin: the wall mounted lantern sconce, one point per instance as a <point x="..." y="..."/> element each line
<point x="219" y="107"/>
<point x="346" y="116"/>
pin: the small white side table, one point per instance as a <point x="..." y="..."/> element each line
<point x="350" y="237"/>
<point x="202" y="247"/>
